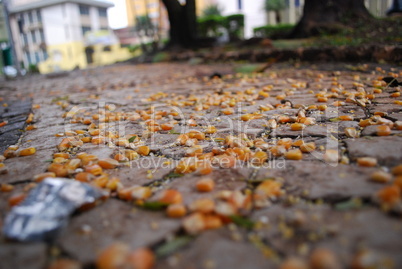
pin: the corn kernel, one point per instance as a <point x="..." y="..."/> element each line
<point x="389" y="195"/>
<point x="203" y="205"/>
<point x="351" y="132"/>
<point x="58" y="169"/>
<point x="171" y="197"/>
<point x="141" y="258"/>
<point x="397" y="170"/>
<point x="140" y="192"/>
<point x="27" y="151"/>
<point x="176" y="210"/>
<point x="297" y="127"/>
<point x="16" y="199"/>
<point x="143" y="150"/>
<point x="84" y="177"/>
<point x="205" y="185"/>
<point x="131" y="154"/>
<point x="42" y="176"/>
<point x="323" y="258"/>
<point x="269" y="188"/>
<point x="61" y="154"/>
<point x="6" y="187"/>
<point x="381" y="177"/>
<point x="94" y="169"/>
<point x="108" y="163"/>
<point x="307" y="147"/>
<point x="294" y="154"/>
<point x="194" y="223"/>
<point x="383" y="130"/>
<point x="114" y="256"/>
<point x="367" y="161"/>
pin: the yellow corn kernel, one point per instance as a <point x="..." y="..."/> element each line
<point x="143" y="150"/>
<point x="367" y="161"/>
<point x="131" y="154"/>
<point x="381" y="177"/>
<point x="61" y="154"/>
<point x="84" y="176"/>
<point x="108" y="163"/>
<point x="42" y="176"/>
<point x="205" y="185"/>
<point x="294" y="154"/>
<point x="383" y="130"/>
<point x="58" y="169"/>
<point x="297" y="127"/>
<point x="307" y="147"/>
<point x="94" y="169"/>
<point x="27" y="151"/>
<point x="203" y="205"/>
<point x="171" y="196"/>
<point x="176" y="210"/>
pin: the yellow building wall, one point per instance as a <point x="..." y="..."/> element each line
<point x="65" y="57"/>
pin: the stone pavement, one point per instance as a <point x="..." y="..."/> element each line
<point x="296" y="167"/>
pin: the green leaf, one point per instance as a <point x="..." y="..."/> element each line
<point x="173" y="175"/>
<point x="172" y="246"/>
<point x="156" y="206"/>
<point x="353" y="203"/>
<point x="48" y="161"/>
<point x="131" y="139"/>
<point x="219" y="139"/>
<point x="242" y="221"/>
<point x="173" y="132"/>
<point x="335" y="119"/>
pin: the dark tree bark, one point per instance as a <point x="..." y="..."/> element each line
<point x="183" y="23"/>
<point x="329" y="16"/>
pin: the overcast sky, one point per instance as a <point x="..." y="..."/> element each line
<point x="117" y="15"/>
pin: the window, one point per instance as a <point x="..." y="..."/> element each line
<point x="41" y="36"/>
<point x="37" y="59"/>
<point x="239" y="4"/>
<point x="39" y="16"/>
<point x="45" y="55"/>
<point x="28" y="58"/>
<point x="33" y="36"/>
<point x="85" y="29"/>
<point x="30" y="17"/>
<point x="25" y="36"/>
<point x="102" y="12"/>
<point x="84" y="10"/>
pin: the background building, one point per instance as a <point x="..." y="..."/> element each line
<point x="256" y="16"/>
<point x="63" y="34"/>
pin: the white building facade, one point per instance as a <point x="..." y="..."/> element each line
<point x="255" y="15"/>
<point x="39" y="25"/>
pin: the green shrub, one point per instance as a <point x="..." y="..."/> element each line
<point x="33" y="68"/>
<point x="212" y="26"/>
<point x="272" y="31"/>
<point x="209" y="26"/>
<point x="234" y="24"/>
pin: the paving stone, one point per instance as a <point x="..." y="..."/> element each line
<point x="222" y="252"/>
<point x="23" y="255"/>
<point x="25" y="167"/>
<point x="225" y="179"/>
<point x="387" y="150"/>
<point x="113" y="221"/>
<point x="289" y="230"/>
<point x="317" y="180"/>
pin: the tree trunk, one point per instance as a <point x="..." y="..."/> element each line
<point x="183" y="23"/>
<point x="329" y="16"/>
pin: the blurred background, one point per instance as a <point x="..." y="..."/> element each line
<point x="60" y="35"/>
